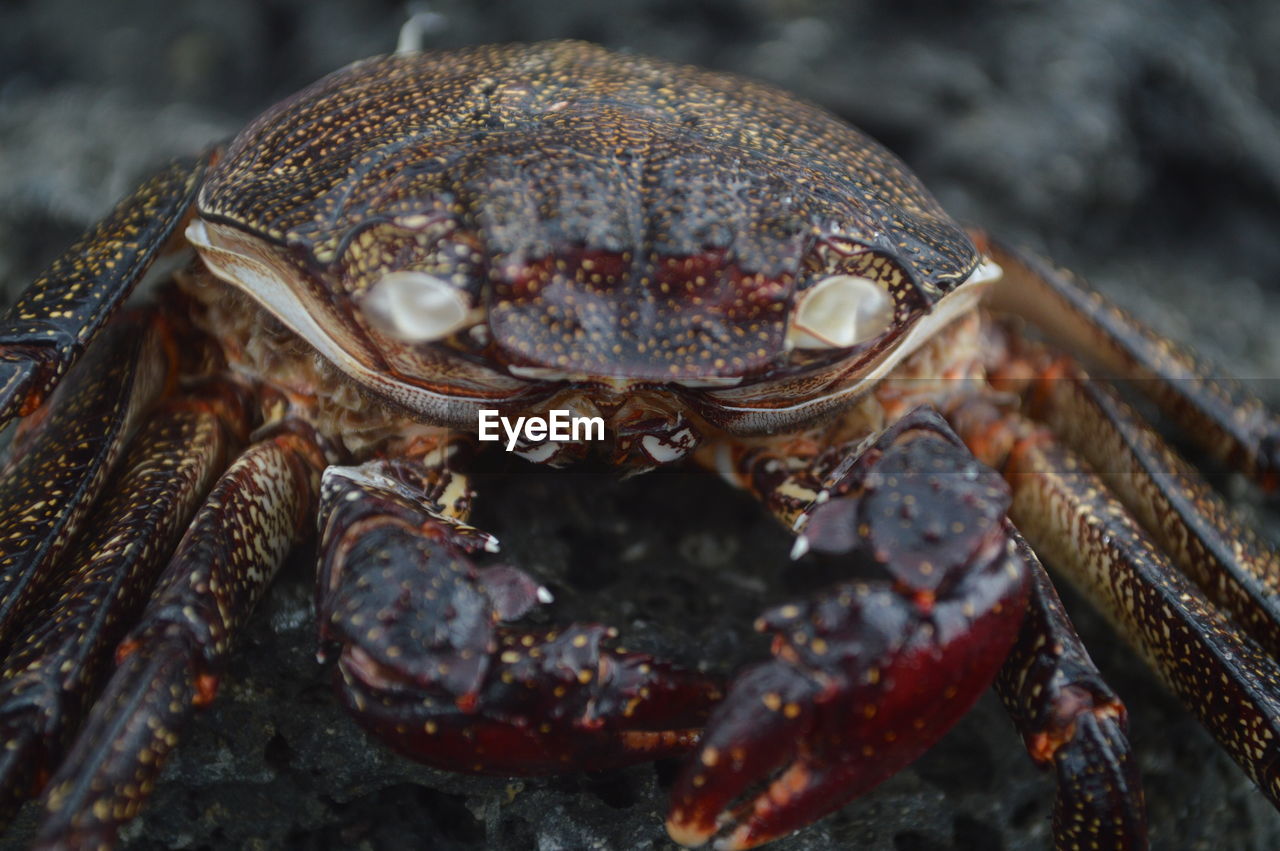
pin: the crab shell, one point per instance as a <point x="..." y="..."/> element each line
<point x="477" y="228"/>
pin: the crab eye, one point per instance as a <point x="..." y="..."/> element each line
<point x="416" y="307"/>
<point x="838" y="312"/>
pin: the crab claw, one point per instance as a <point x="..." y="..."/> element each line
<point x="430" y="663"/>
<point x="398" y="587"/>
<point x="553" y="701"/>
<point x="869" y="675"/>
<point x="409" y="600"/>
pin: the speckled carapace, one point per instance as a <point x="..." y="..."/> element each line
<point x="611" y="216"/>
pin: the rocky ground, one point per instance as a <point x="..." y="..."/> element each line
<point x="1135" y="141"/>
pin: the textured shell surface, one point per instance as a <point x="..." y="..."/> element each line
<point x="604" y="214"/>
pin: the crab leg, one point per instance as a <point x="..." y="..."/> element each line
<point x="62" y="456"/>
<point x="170" y="661"/>
<point x="1074" y="723"/>
<point x="55" y="319"/>
<point x="1072" y="519"/>
<point x="61" y="658"/>
<point x="867" y="676"/>
<point x="430" y="663"/>
<point x="1172" y="501"/>
<point x="1217" y="412"/>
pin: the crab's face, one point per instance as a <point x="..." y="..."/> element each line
<point x="455" y="237"/>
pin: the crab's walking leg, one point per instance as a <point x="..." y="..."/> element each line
<point x="60" y="658"/>
<point x="61" y="458"/>
<point x="1168" y="497"/>
<point x="169" y="662"/>
<point x="867" y="676"/>
<point x="428" y="662"/>
<point x="1216" y="411"/>
<point x="1074" y="521"/>
<point x="55" y="319"/>
<point x="1073" y="723"/>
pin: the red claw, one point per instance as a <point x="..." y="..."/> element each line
<point x="431" y="665"/>
<point x="869" y="675"/>
<point x="552" y="701"/>
<point x="821" y="735"/>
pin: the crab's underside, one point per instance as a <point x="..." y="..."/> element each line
<point x="148" y="499"/>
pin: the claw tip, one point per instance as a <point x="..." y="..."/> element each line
<point x="684" y="834"/>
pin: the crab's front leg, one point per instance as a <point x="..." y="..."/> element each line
<point x="430" y="662"/>
<point x="868" y="675"/>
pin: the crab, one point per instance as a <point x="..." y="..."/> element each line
<point x="717" y="273"/>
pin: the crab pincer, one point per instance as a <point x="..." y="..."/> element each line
<point x="432" y="664"/>
<point x="553" y="699"/>
<point x="869" y="674"/>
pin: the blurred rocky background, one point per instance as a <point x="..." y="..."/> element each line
<point x="1137" y="142"/>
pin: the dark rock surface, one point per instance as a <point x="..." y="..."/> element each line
<point x="1137" y="142"/>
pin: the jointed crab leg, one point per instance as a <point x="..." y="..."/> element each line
<point x="427" y="663"/>
<point x="61" y="657"/>
<point x="865" y="677"/>
<point x="1167" y="496"/>
<point x="56" y="317"/>
<point x="170" y="661"/>
<point x="1072" y="722"/>
<point x="1216" y="411"/>
<point x="1082" y="529"/>
<point x="60" y="462"/>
